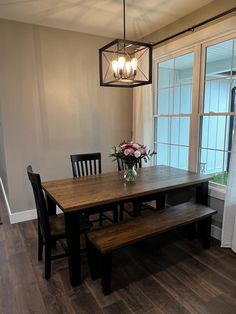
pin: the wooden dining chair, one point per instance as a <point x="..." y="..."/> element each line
<point x="136" y="207"/>
<point x="50" y="228"/>
<point x="87" y="165"/>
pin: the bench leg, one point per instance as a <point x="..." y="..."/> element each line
<point x="205" y="230"/>
<point x="93" y="260"/>
<point x="106" y="273"/>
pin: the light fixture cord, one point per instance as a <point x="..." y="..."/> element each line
<point x="124" y="18"/>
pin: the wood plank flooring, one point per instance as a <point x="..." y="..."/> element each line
<point x="166" y="275"/>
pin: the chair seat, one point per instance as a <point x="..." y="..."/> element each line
<point x="57" y="225"/>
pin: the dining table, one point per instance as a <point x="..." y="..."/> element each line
<point x="85" y="195"/>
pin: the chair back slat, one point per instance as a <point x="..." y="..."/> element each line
<point x="82" y="167"/>
<point x="95" y="166"/>
<point x="122" y="166"/>
<point x="86" y="164"/>
<point x="90" y="166"/>
<point x="86" y="167"/>
<point x="40" y="202"/>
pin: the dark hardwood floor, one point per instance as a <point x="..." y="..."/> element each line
<point x="167" y="275"/>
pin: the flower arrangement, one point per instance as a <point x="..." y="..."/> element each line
<point x="131" y="153"/>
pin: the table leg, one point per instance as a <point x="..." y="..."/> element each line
<point x="51" y="206"/>
<point x="72" y="224"/>
<point x="202" y="193"/>
<point x="160" y="201"/>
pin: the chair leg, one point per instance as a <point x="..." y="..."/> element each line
<point x="93" y="260"/>
<point x="47" y="260"/>
<point x="40" y="244"/>
<point x="106" y="273"/>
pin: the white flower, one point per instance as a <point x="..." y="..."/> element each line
<point x="137" y="154"/>
<point x="136" y="146"/>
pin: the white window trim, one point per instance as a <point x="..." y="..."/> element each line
<point x="202" y="37"/>
<point x="217" y="190"/>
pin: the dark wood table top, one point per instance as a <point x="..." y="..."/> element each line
<point x="84" y="192"/>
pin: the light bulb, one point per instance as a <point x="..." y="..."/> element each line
<point x="114" y="65"/>
<point x="134" y="64"/>
<point x="121" y="63"/>
<point x="128" y="67"/>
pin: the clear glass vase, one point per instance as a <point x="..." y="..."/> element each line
<point x="130" y="173"/>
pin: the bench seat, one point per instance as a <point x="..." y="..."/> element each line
<point x="102" y="242"/>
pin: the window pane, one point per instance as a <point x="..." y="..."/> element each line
<point x="213" y="132"/>
<point x="162" y="154"/>
<point x="174" y="90"/>
<point x="163" y="130"/>
<point x="166" y="73"/>
<point x="220" y="79"/>
<point x="186" y="99"/>
<point x="174" y="156"/>
<point x="179" y="157"/>
<point x="184" y="130"/>
<point x="183" y="157"/>
<point x="184" y="69"/>
<point x="165" y="101"/>
<point x="177" y="100"/>
<point x="180" y="130"/>
<point x="212" y="161"/>
<point x="175" y="130"/>
<point x="219" y="58"/>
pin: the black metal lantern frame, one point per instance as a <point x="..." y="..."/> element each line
<point x="142" y="52"/>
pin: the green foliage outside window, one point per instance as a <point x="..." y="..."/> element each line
<point x="221" y="178"/>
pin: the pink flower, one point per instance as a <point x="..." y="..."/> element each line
<point x="128" y="151"/>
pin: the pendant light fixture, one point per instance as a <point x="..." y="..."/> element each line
<point x="125" y="63"/>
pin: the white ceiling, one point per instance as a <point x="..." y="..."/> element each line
<point x="100" y="17"/>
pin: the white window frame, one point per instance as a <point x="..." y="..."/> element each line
<point x="197" y="43"/>
<point x="194" y="127"/>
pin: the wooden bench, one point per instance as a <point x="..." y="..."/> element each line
<point x="102" y="242"/>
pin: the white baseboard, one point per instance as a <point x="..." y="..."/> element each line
<point x="21" y="216"/>
<point x="216" y="232"/>
<point x="5" y="197"/>
<point x="26" y="215"/>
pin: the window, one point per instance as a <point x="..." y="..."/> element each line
<point x="194" y="121"/>
<point x="174" y="108"/>
<point x="217" y="118"/>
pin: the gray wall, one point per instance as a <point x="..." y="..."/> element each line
<point x="204" y="13"/>
<point x="53" y="106"/>
<point x="3" y="174"/>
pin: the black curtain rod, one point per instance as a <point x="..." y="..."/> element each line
<point x="191" y="29"/>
